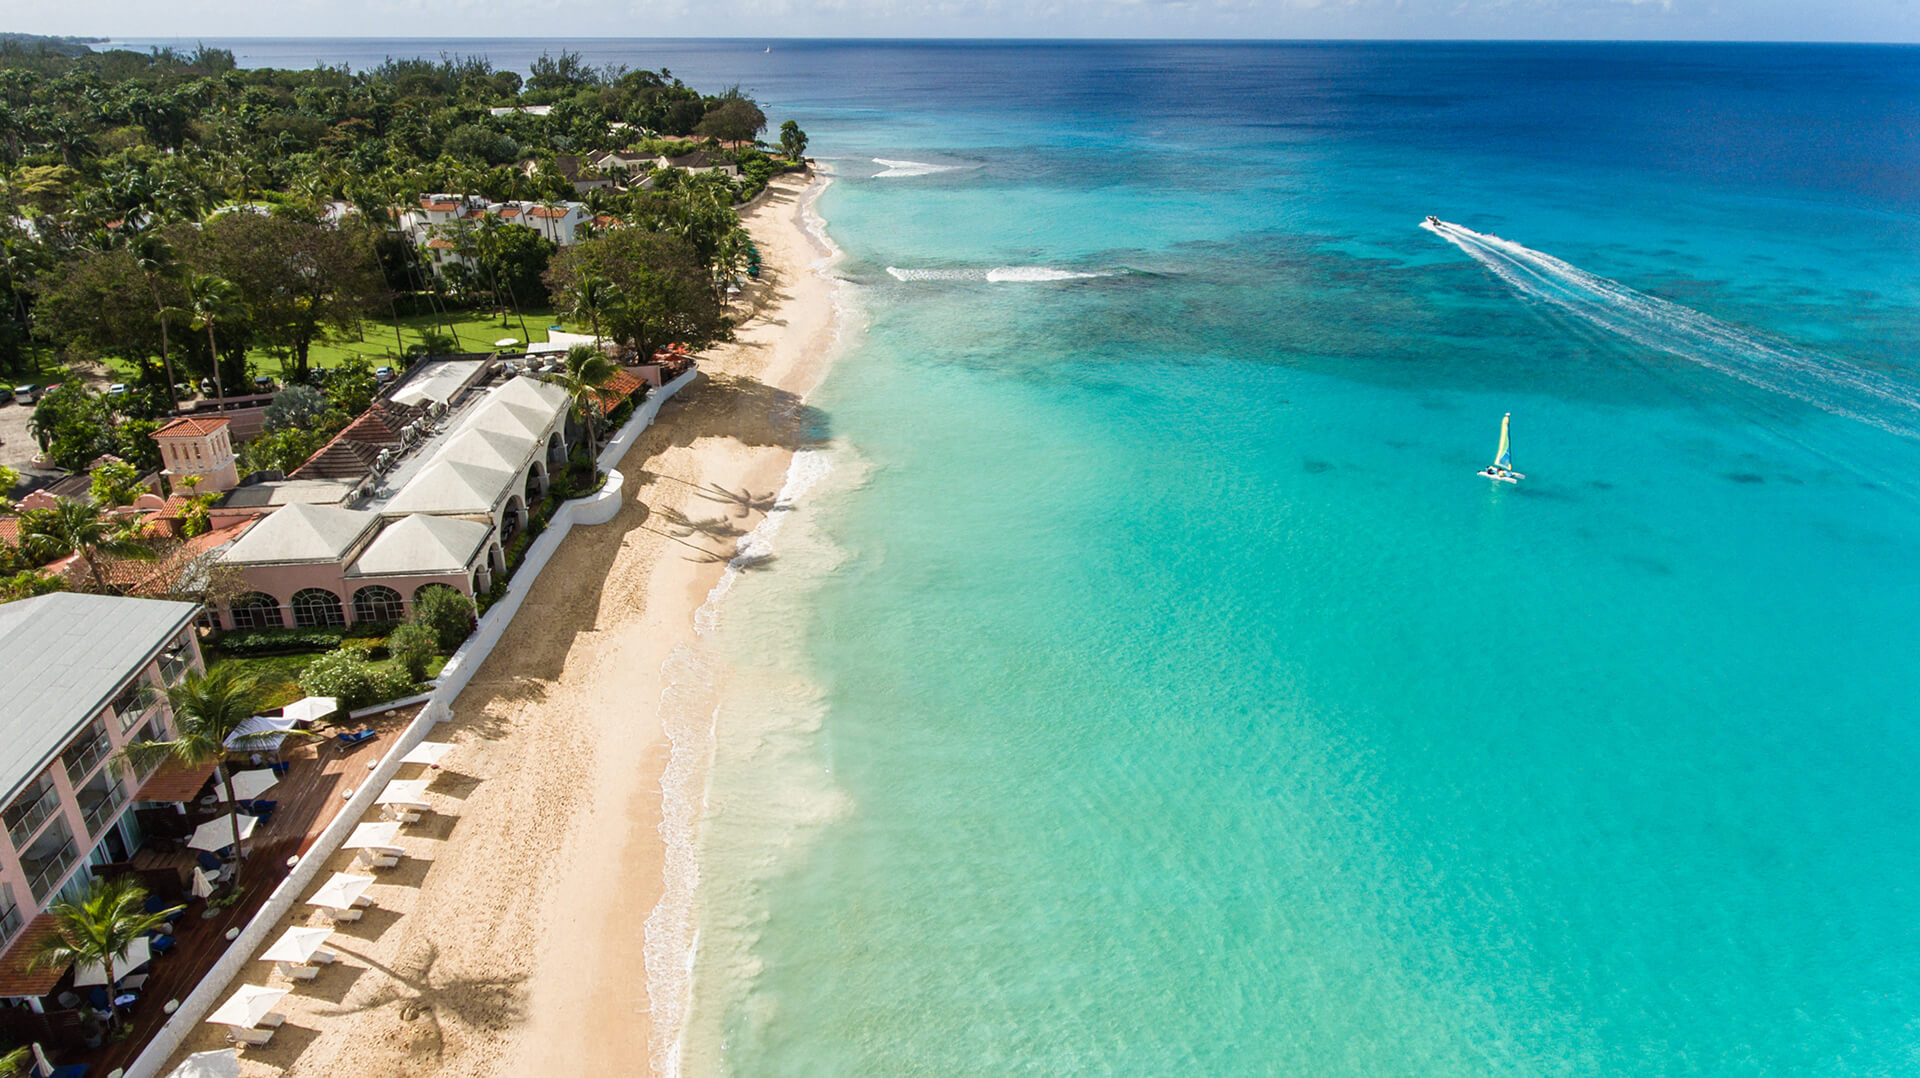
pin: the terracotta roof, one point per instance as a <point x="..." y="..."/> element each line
<point x="549" y="211"/>
<point x="439" y="245"/>
<point x="605" y="221"/>
<point x="15" y="978"/>
<point x="510" y="211"/>
<point x="441" y="207"/>
<point x="474" y="213"/>
<point x="10" y="530"/>
<point x="622" y="385"/>
<point x="193" y="425"/>
<point x="351" y="453"/>
<point x="175" y="781"/>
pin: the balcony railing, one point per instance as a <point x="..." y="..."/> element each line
<point x="43" y="873"/>
<point x="10" y="922"/>
<point x="24" y="820"/>
<point x="99" y="811"/>
<point x="82" y="757"/>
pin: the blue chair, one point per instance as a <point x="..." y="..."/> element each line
<point x="98" y="997"/>
<point x="160" y="944"/>
<point x="281" y="768"/>
<point x="155" y="904"/>
<point x="71" y="1070"/>
<point x="356" y="738"/>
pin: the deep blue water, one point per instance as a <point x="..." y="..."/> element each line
<point x="1153" y="688"/>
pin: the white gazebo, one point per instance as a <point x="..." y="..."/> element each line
<point x="262" y="733"/>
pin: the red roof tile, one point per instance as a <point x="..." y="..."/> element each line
<point x="192" y="425"/>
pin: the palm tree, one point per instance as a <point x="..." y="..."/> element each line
<point x="15" y="1063"/>
<point x="591" y="295"/>
<point x="208" y="706"/>
<point x="210" y="301"/>
<point x="586" y="375"/>
<point x="156" y="259"/>
<point x="98" y="928"/>
<point x="83" y="528"/>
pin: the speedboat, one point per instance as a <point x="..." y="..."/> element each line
<point x="1432" y="220"/>
<point x="1501" y="470"/>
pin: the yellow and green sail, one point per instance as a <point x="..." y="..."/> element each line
<point x="1503" y="460"/>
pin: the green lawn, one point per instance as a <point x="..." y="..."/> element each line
<point x="474" y="330"/>
<point x="279" y="675"/>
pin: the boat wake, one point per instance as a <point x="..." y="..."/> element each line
<point x="1825" y="382"/>
<point x="898" y="170"/>
<point x="996" y="275"/>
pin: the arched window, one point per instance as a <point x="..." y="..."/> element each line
<point x="376" y="602"/>
<point x="316" y="606"/>
<point x="257" y="610"/>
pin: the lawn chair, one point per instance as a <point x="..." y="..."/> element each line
<point x="358" y="737"/>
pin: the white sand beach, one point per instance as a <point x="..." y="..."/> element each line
<point x="509" y="940"/>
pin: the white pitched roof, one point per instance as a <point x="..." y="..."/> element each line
<point x="490" y="449"/>
<point x="302" y="532"/>
<point x="422" y="544"/>
<point x="508" y="418"/>
<point x="69" y="653"/>
<point x="446" y="486"/>
<point x="531" y="392"/>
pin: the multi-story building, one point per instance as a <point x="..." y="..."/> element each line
<point x="86" y="676"/>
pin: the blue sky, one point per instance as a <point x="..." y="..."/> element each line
<point x="1722" y="20"/>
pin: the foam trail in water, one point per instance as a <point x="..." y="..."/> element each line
<point x="896" y="170"/>
<point x="1831" y="384"/>
<point x="996" y="275"/>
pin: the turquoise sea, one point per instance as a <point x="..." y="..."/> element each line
<point x="1143" y="683"/>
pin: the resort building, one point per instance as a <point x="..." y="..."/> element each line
<point x="699" y="161"/>
<point x="435" y="222"/>
<point x="88" y="677"/>
<point x="436" y="499"/>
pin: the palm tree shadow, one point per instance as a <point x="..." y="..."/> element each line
<point x="486" y="1003"/>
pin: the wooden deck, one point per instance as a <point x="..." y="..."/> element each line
<point x="308" y="799"/>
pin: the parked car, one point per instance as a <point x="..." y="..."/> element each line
<point x="263" y="384"/>
<point x="117" y="389"/>
<point x="206" y="387"/>
<point x="6" y="394"/>
<point x="27" y="393"/>
<point x="383" y="375"/>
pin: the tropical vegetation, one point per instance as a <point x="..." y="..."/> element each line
<point x="99" y="928"/>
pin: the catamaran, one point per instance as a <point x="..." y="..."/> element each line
<point x="1502" y="467"/>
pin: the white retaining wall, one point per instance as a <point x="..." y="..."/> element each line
<point x="596" y="508"/>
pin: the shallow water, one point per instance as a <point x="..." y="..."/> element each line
<point x="1151" y="687"/>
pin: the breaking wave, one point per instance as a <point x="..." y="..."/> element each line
<point x="896" y="170"/>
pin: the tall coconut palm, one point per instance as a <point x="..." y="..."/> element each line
<point x="83" y="528"/>
<point x="208" y="707"/>
<point x="98" y="928"/>
<point x="592" y="294"/>
<point x="212" y="300"/>
<point x="157" y="260"/>
<point x="585" y="377"/>
<point x="15" y="1063"/>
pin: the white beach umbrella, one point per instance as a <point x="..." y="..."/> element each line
<point x="217" y="834"/>
<point x="139" y="953"/>
<point x="311" y="708"/>
<point x="341" y="891"/>
<point x="372" y="836"/>
<point x="296" y="945"/>
<point x="40" y="1058"/>
<point x="403" y="792"/>
<point x="248" y="785"/>
<point x="427" y="752"/>
<point x="202" y="884"/>
<point x="247" y="1007"/>
<point x="262" y="733"/>
<point x="222" y="1064"/>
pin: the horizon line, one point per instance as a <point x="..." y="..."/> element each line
<point x="110" y="41"/>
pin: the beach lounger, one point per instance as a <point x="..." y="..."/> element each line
<point x="381" y="858"/>
<point x="252" y="1038"/>
<point x="345" y="915"/>
<point x="355" y="738"/>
